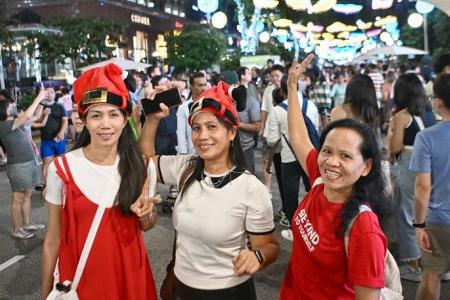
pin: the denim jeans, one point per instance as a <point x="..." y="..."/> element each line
<point x="291" y="173"/>
<point x="408" y="249"/>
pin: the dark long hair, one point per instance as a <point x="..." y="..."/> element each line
<point x="409" y="94"/>
<point x="132" y="167"/>
<point x="362" y="99"/>
<point x="5" y="101"/>
<point x="369" y="189"/>
<point x="196" y="165"/>
<point x="4" y="110"/>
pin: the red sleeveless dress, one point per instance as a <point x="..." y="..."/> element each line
<point x="117" y="266"/>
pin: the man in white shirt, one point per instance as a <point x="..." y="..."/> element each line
<point x="276" y="73"/>
<point x="198" y="85"/>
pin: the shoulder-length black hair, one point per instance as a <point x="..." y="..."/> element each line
<point x="362" y="99"/>
<point x="369" y="189"/>
<point x="132" y="167"/>
<point x="196" y="165"/>
<point x="409" y="94"/>
<point x="5" y="101"/>
<point x="4" y="110"/>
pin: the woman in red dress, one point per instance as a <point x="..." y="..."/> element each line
<point x="106" y="168"/>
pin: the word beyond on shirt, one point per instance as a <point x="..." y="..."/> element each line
<point x="309" y="235"/>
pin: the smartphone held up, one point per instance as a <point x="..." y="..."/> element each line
<point x="170" y="98"/>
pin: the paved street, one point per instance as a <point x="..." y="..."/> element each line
<point x="21" y="280"/>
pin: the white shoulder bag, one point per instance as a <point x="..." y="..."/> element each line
<point x="392" y="289"/>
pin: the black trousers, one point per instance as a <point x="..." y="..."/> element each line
<point x="291" y="173"/>
<point x="277" y="166"/>
<point x="243" y="291"/>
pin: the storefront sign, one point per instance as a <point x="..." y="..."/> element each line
<point x="140" y="19"/>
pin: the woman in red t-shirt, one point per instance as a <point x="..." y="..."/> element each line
<point x="345" y="172"/>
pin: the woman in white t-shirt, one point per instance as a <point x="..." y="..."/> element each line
<point x="219" y="206"/>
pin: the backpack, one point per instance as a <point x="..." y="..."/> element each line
<point x="392" y="284"/>
<point x="312" y="132"/>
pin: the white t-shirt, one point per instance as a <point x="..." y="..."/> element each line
<point x="88" y="177"/>
<point x="278" y="125"/>
<point x="184" y="130"/>
<point x="212" y="225"/>
<point x="267" y="100"/>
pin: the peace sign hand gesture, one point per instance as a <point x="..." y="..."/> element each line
<point x="297" y="70"/>
<point x="144" y="207"/>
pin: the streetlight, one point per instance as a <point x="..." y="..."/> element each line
<point x="415" y="20"/>
<point x="264" y="37"/>
<point x="2" y="77"/>
<point x="424" y="8"/>
<point x="16" y="48"/>
<point x="219" y="20"/>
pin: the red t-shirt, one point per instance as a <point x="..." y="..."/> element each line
<point x="319" y="268"/>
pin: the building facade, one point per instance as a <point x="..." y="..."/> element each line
<point x="146" y="23"/>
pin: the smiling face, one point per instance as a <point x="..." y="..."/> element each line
<point x="341" y="163"/>
<point x="199" y="86"/>
<point x="105" y="123"/>
<point x="211" y="139"/>
<point x="276" y="76"/>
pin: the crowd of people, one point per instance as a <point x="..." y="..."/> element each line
<point x="362" y="141"/>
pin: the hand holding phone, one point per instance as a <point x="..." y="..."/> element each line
<point x="170" y="98"/>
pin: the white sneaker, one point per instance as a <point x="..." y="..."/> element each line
<point x="22" y="234"/>
<point x="3" y="161"/>
<point x="446" y="276"/>
<point x="287" y="234"/>
<point x="33" y="226"/>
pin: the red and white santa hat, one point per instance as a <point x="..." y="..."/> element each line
<point x="102" y="85"/>
<point x="217" y="100"/>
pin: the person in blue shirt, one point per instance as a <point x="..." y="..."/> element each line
<point x="430" y="161"/>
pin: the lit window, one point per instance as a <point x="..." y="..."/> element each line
<point x="167" y="10"/>
<point x="182" y="14"/>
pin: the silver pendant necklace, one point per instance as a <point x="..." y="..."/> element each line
<point x="208" y="180"/>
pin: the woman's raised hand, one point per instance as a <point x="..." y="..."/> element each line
<point x="144" y="206"/>
<point x="164" y="113"/>
<point x="297" y="70"/>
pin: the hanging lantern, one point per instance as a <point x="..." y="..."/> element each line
<point x="423" y="7"/>
<point x="347" y="9"/>
<point x="269" y="4"/>
<point x="282" y="23"/>
<point x="208" y="6"/>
